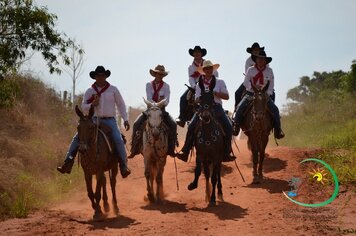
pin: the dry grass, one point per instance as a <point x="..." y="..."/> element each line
<point x="34" y="136"/>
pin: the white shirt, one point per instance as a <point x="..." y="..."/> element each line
<point x="107" y="102"/>
<point x="220" y="87"/>
<point x="267" y="76"/>
<point x="191" y="70"/>
<point x="164" y="92"/>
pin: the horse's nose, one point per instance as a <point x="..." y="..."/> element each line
<point x="155" y="133"/>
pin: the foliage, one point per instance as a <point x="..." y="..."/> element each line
<point x="24" y="26"/>
<point x="323" y="114"/>
<point x="9" y="90"/>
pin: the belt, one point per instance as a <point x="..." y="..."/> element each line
<point x="104" y="117"/>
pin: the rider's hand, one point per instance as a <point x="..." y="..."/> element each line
<point x="127" y="125"/>
<point x="95" y="101"/>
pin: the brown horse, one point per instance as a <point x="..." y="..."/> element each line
<point x="209" y="146"/>
<point x="96" y="157"/>
<point x="155" y="147"/>
<point x="258" y="125"/>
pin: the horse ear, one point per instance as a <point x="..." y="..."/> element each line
<point x="162" y="103"/>
<point x="148" y="103"/>
<point x="78" y="111"/>
<point x="255" y="89"/>
<point x="91" y="111"/>
<point x="266" y="87"/>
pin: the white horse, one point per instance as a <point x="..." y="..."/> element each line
<point x="155" y="147"/>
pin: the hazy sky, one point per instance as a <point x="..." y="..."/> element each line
<point x="129" y="37"/>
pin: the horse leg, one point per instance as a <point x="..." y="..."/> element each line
<point x="114" y="172"/>
<point x="213" y="183"/>
<point x="98" y="213"/>
<point x="197" y="172"/>
<point x="255" y="163"/>
<point x="148" y="182"/>
<point x="105" y="195"/>
<point x="89" y="184"/>
<point x="159" y="181"/>
<point x="262" y="157"/>
<point x="220" y="193"/>
<point x="207" y="184"/>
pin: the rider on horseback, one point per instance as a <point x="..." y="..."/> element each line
<point x="198" y="53"/>
<point x="156" y="91"/>
<point x="253" y="50"/>
<point x="259" y="75"/>
<point x="208" y="81"/>
<point x="105" y="98"/>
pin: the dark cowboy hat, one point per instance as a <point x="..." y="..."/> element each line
<point x="197" y="48"/>
<point x="254" y="45"/>
<point x="262" y="54"/>
<point x="99" y="70"/>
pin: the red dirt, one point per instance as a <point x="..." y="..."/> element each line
<point x="247" y="210"/>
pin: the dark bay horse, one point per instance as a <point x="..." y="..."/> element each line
<point x="96" y="157"/>
<point x="258" y="125"/>
<point x="155" y="147"/>
<point x="209" y="146"/>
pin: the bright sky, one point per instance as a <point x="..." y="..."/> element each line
<point x="129" y="37"/>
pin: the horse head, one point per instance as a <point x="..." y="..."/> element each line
<point x="154" y="116"/>
<point x="85" y="128"/>
<point x="206" y="106"/>
<point x="260" y="100"/>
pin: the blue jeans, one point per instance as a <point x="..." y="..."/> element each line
<point x="115" y="135"/>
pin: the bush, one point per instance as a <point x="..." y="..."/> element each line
<point x="9" y="89"/>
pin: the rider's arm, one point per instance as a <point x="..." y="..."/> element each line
<point x="120" y="104"/>
<point x="149" y="92"/>
<point x="271" y="83"/>
<point x="85" y="105"/>
<point x="221" y="91"/>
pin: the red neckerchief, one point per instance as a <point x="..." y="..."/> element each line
<point x="98" y="93"/>
<point x="196" y="74"/>
<point x="206" y="81"/>
<point x="259" y="76"/>
<point x="156" y="90"/>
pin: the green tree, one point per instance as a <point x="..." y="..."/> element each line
<point x="25" y="26"/>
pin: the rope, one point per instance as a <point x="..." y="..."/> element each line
<point x="243" y="179"/>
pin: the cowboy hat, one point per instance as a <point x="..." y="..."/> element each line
<point x="160" y="70"/>
<point x="207" y="63"/>
<point x="254" y="45"/>
<point x="262" y="54"/>
<point x="99" y="70"/>
<point x="197" y="48"/>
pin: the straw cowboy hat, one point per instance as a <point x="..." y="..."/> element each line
<point x="254" y="45"/>
<point x="262" y="54"/>
<point x="197" y="48"/>
<point x="99" y="70"/>
<point x="160" y="70"/>
<point x="207" y="63"/>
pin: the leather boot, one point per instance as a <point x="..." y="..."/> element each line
<point x="66" y="167"/>
<point x="278" y="133"/>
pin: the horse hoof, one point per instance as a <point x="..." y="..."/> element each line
<point x="151" y="198"/>
<point x="212" y="204"/>
<point x="98" y="216"/>
<point x="256" y="180"/>
<point x="220" y="197"/>
<point x="192" y="186"/>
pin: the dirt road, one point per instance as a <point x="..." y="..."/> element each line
<point x="247" y="210"/>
